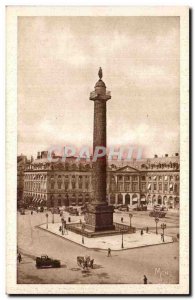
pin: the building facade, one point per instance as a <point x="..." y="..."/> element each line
<point x="54" y="182"/>
<point x="22" y="163"/>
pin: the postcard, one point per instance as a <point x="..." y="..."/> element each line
<point x="97" y="152"/>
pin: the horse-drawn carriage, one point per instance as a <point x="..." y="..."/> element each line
<point x="85" y="262"/>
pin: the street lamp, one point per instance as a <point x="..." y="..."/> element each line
<point x="163" y="226"/>
<point x="122" y="246"/>
<point x="46" y="221"/>
<point x="156" y="220"/>
<point x="53" y="216"/>
<point x="62" y="219"/>
<point x="83" y="229"/>
<point x="130" y="216"/>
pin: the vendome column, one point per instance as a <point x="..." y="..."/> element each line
<point x="99" y="216"/>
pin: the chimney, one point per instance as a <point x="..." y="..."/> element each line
<point x="166" y="155"/>
<point x="176" y="154"/>
<point x="155" y="155"/>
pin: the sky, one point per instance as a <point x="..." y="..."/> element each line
<point x="58" y="63"/>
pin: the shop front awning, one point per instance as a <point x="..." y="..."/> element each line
<point x="134" y="199"/>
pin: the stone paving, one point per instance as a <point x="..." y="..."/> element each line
<point x="114" y="242"/>
<point x="160" y="263"/>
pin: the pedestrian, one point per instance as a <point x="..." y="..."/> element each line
<point x="145" y="279"/>
<point x="109" y="252"/>
<point x="31" y="212"/>
<point x="163" y="237"/>
<point x="60" y="228"/>
<point x="91" y="263"/>
<point x="80" y="221"/>
<point x="147" y="229"/>
<point x="19" y="257"/>
<point x="121" y="220"/>
<point x="141" y="232"/>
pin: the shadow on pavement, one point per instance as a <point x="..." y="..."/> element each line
<point x="96" y="267"/>
<point x="74" y="269"/>
<point x="103" y="276"/>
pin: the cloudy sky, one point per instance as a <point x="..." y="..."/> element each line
<point x="58" y="62"/>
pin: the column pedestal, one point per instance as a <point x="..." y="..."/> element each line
<point x="99" y="217"/>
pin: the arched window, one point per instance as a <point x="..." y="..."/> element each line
<point x="52" y="201"/>
<point x="127" y="199"/>
<point x="159" y="200"/>
<point x="59" y="200"/>
<point x="120" y="199"/>
<point x="112" y="199"/>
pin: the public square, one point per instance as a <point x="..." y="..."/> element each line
<point x="158" y="262"/>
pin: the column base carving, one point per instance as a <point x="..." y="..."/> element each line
<point x="99" y="217"/>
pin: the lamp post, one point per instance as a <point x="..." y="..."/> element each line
<point x="46" y="221"/>
<point x="122" y="246"/>
<point x="156" y="220"/>
<point x="53" y="216"/>
<point x="83" y="229"/>
<point x="130" y="216"/>
<point x="62" y="219"/>
<point x="163" y="226"/>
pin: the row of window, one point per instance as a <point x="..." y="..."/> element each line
<point x="80" y="177"/>
<point x="159" y="187"/>
<point x="35" y="176"/>
<point x="73" y="184"/>
<point x="143" y="178"/>
<point x="44" y="176"/>
<point x="35" y="186"/>
<point x="127" y="187"/>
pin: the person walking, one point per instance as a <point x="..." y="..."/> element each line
<point x="141" y="232"/>
<point x="145" y="279"/>
<point x="122" y="220"/>
<point x="109" y="252"/>
<point x="147" y="229"/>
<point x="91" y="263"/>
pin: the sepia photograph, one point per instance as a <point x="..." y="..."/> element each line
<point x="98" y="109"/>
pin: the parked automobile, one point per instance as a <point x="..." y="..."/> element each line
<point x="157" y="214"/>
<point x="123" y="208"/>
<point x="45" y="262"/>
<point x="159" y="207"/>
<point x="140" y="208"/>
